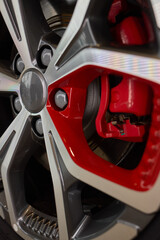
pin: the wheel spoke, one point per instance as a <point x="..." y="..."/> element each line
<point x="130" y="197"/>
<point x="22" y="20"/>
<point x="156" y="8"/>
<point x="62" y="181"/>
<point x="73" y="28"/>
<point x="135" y="65"/>
<point x="8" y="83"/>
<point x="67" y="201"/>
<point x="9" y="145"/>
<point x="76" y="37"/>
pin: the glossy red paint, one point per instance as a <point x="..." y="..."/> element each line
<point x="131" y="97"/>
<point x="130" y="31"/>
<point x="126" y="131"/>
<point x="117" y="7"/>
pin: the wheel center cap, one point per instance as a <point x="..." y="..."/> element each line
<point x="33" y="90"/>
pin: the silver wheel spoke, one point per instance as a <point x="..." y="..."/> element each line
<point x="9" y="143"/>
<point x="130" y="197"/>
<point x="62" y="181"/>
<point x="156" y="8"/>
<point x="8" y="83"/>
<point x="138" y="66"/>
<point x="67" y="202"/>
<point x="66" y="47"/>
<point x="22" y="22"/>
<point x="73" y="28"/>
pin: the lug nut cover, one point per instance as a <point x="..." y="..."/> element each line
<point x="46" y="56"/>
<point x="38" y="126"/>
<point x="20" y="65"/>
<point x="17" y="104"/>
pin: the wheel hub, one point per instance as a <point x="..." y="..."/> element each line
<point x="33" y="91"/>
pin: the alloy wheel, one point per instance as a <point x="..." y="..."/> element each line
<point x="80" y="135"/>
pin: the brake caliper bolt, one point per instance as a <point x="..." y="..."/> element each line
<point x="38" y="126"/>
<point x="61" y="99"/>
<point x="19" y="65"/>
<point x="17" y="104"/>
<point x="46" y="56"/>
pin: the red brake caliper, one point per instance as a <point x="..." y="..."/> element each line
<point x="130" y="97"/>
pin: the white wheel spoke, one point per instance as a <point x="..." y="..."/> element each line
<point x="25" y="28"/>
<point x="73" y="28"/>
<point x="9" y="143"/>
<point x="130" y="197"/>
<point x="66" y="202"/>
<point x="135" y="65"/>
<point x="67" y="41"/>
